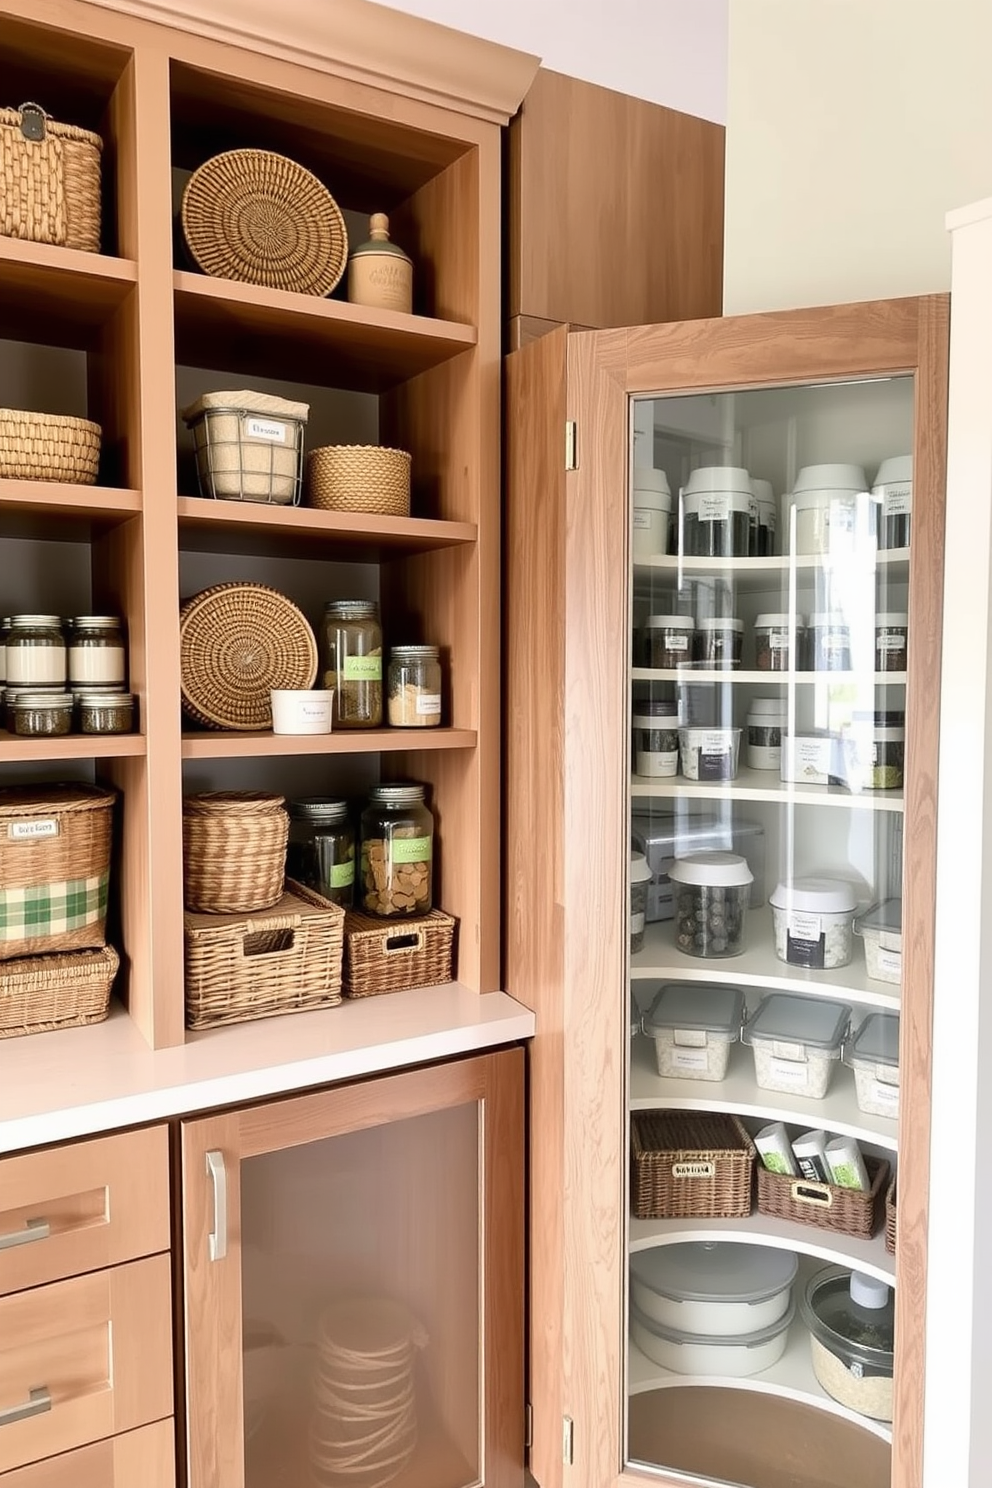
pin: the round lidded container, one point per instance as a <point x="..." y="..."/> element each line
<point x="712" y="893"/>
<point x="668" y="640"/>
<point x="891" y="634"/>
<point x="874" y="754"/>
<point x="716" y="513"/>
<point x="351" y="661"/>
<point x="414" y="687"/>
<point x="814" y="922"/>
<point x="380" y="274"/>
<point x="652" y="519"/>
<point x="96" y="651"/>
<point x="833" y="513"/>
<point x="104" y="712"/>
<point x="35" y="651"/>
<point x="893" y="491"/>
<point x="719" y="641"/>
<point x="778" y="642"/>
<point x="693" y="1028"/>
<point x="40" y="714"/>
<point x="766" y="720"/>
<point x="733" y="1357"/>
<point x="640" y="877"/>
<point x="767" y="517"/>
<point x="797" y="1042"/>
<point x="873" y="1054"/>
<point x="851" y="1319"/>
<point x="656" y="738"/>
<point x="713" y="1288"/>
<point x="397" y="852"/>
<point x="321" y="849"/>
<point x="709" y="753"/>
<point x="829" y="642"/>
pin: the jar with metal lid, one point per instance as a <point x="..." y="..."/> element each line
<point x="37" y="715"/>
<point x="414" y="687"/>
<point x="35" y="651"/>
<point x="4" y="627"/>
<point x="829" y="643"/>
<point x="668" y="640"/>
<point x="656" y="737"/>
<point x="719" y="641"/>
<point x="351" y="661"/>
<point x="321" y="850"/>
<point x="891" y="637"/>
<point x="104" y="712"/>
<point x="397" y="852"/>
<point x="96" y="651"/>
<point x="778" y="642"/>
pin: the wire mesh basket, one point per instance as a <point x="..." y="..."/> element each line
<point x="248" y="446"/>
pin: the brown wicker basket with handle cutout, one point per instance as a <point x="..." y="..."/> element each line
<point x="54" y="867"/>
<point x="381" y="956"/>
<point x="690" y="1165"/>
<point x="359" y="478"/>
<point x="234" y="851"/>
<point x="49" y="180"/>
<point x="48" y="446"/>
<point x="40" y="993"/>
<point x="890" y="1218"/>
<point x="845" y="1211"/>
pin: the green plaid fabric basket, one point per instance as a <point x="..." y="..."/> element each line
<point x="53" y="910"/>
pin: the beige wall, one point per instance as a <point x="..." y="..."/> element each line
<point x="853" y="126"/>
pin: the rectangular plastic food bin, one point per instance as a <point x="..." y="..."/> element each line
<point x="797" y="1042"/>
<point x="693" y="1029"/>
<point x="881" y="929"/>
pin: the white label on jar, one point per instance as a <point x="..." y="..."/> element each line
<point x="898" y="502"/>
<point x="804" y="926"/>
<point x="28" y="831"/>
<point x="715" y="744"/>
<point x="689" y="1059"/>
<point x="880" y="1094"/>
<point x="272" y="433"/>
<point x="789" y="1072"/>
<point x="96" y="664"/>
<point x="890" y="640"/>
<point x="676" y="640"/>
<point x="35" y="664"/>
<point x="840" y="517"/>
<point x="637" y="923"/>
<point x="778" y="640"/>
<point x="715" y="506"/>
<point x="833" y="640"/>
<point x="889" y="962"/>
<point x="642" y="516"/>
<point x="693" y="1169"/>
<point x="428" y="704"/>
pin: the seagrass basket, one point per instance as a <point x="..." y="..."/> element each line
<point x="40" y="993"/>
<point x="258" y="217"/>
<point x="48" y="446"/>
<point x="845" y="1211"/>
<point x="689" y="1165"/>
<point x="285" y="960"/>
<point x="890" y="1218"/>
<point x="392" y="956"/>
<point x="234" y="851"/>
<point x="360" y="478"/>
<point x="49" y="180"/>
<point x="238" y="642"/>
<point x="54" y="867"/>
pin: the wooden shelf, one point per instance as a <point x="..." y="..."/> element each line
<point x="14" y="750"/>
<point x="291" y="531"/>
<point x="27" y="508"/>
<point x="352" y="741"/>
<point x="270" y="332"/>
<point x="59" y="296"/>
<point x="765" y="786"/>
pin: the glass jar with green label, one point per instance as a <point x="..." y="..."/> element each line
<point x="397" y="852"/>
<point x="351" y="661"/>
<point x="321" y="851"/>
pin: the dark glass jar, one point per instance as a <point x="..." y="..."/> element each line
<point x="668" y="640"/>
<point x="719" y="642"/>
<point x="891" y="636"/>
<point x="397" y="852"/>
<point x="773" y="638"/>
<point x="829" y="643"/>
<point x="351" y="661"/>
<point x="321" y="850"/>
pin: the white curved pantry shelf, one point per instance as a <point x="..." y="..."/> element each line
<point x="779" y="1234"/>
<point x="765" y="786"/>
<point x="758" y="966"/>
<point x="739" y="1093"/>
<point x="692" y="676"/>
<point x="758" y="575"/>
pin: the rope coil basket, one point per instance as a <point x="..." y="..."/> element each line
<point x="360" y="478"/>
<point x="237" y="643"/>
<point x="260" y="218"/>
<point x="49" y="180"/>
<point x="54" y="867"/>
<point x="234" y="851"/>
<point x="40" y="993"/>
<point x="49" y="447"/>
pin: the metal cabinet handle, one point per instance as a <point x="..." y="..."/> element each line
<point x="39" y="1400"/>
<point x="218" y="1177"/>
<point x="34" y="1229"/>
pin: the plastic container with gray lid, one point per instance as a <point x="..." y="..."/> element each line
<point x="851" y="1318"/>
<point x="881" y="929"/>
<point x="713" y="1287"/>
<point x="797" y="1042"/>
<point x="693" y="1029"/>
<point x="873" y="1054"/>
<point x="732" y="1357"/>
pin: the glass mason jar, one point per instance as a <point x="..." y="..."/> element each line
<point x="414" y="687"/>
<point x="397" y="852"/>
<point x="321" y="851"/>
<point x="351" y="661"/>
<point x="35" y="651"/>
<point x="96" y="651"/>
<point x="4" y="627"/>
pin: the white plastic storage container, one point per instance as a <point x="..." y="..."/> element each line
<point x="813" y="920"/>
<point x="655" y="726"/>
<point x="709" y="753"/>
<point x="734" y="1357"/>
<point x="713" y="1288"/>
<point x="693" y="1029"/>
<point x="652" y="513"/>
<point x="873" y="1054"/>
<point x="766" y="721"/>
<point x="716" y="513"/>
<point x="664" y="836"/>
<point x="640" y="877"/>
<point x="712" y="890"/>
<point x="797" y="1042"/>
<point x="893" y="492"/>
<point x="881" y="929"/>
<point x="832" y="509"/>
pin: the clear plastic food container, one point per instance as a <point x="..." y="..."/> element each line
<point x="712" y="892"/>
<point x="881" y="929"/>
<point x="813" y="920"/>
<point x="873" y="1054"/>
<point x="797" y="1042"/>
<point x="851" y="1318"/>
<point x="709" y="753"/>
<point x="640" y="877"/>
<point x="693" y="1029"/>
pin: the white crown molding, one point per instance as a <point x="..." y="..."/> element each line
<point x="363" y="41"/>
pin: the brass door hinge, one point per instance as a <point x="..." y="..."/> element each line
<point x="567" y="1440"/>
<point x="571" y="446"/>
<point x="528" y="1426"/>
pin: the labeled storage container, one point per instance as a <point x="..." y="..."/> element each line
<point x="719" y="642"/>
<point x="813" y="919"/>
<point x="709" y="753"/>
<point x="51" y="180"/>
<point x="382" y="958"/>
<point x="874" y="756"/>
<point x="809" y="758"/>
<point x="826" y="1206"/>
<point x="851" y="1319"/>
<point x="414" y="687"/>
<point x="873" y="1054"/>
<point x="668" y="640"/>
<point x="54" y="867"/>
<point x="656" y="739"/>
<point x="767" y="533"/>
<point x="351" y="661"/>
<point x="690" y="1165"/>
<point x="380" y="274"/>
<point x="828" y="642"/>
<point x="652" y="518"/>
<point x="693" y="1029"/>
<point x="664" y="835"/>
<point x="397" y="854"/>
<point x="833" y="513"/>
<point x="797" y="1043"/>
<point x="778" y="641"/>
<point x="893" y="494"/>
<point x="248" y="446"/>
<point x="35" y="652"/>
<point x="96" y="654"/>
<point x="234" y="851"/>
<point x="881" y="929"/>
<point x="733" y="1357"/>
<point x="891" y="641"/>
<point x="716" y="513"/>
<point x="766" y="720"/>
<point x="640" y="877"/>
<point x="712" y="893"/>
<point x="713" y="1288"/>
<point x="321" y="849"/>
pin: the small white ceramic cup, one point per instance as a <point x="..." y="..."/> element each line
<point x="300" y="712"/>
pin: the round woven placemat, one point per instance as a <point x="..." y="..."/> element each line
<point x="260" y="218"/>
<point x="236" y="643"/>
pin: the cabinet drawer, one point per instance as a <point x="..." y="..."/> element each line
<point x="73" y="1209"/>
<point x="146" y="1457"/>
<point x="84" y="1359"/>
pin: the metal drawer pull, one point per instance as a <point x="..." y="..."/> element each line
<point x="218" y="1177"/>
<point x="34" y="1229"/>
<point x="38" y="1401"/>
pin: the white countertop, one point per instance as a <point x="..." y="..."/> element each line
<point x="79" y="1081"/>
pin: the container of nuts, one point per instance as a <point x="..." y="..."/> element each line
<point x="712" y="894"/>
<point x="397" y="852"/>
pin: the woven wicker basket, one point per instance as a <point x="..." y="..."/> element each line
<point x="234" y="851"/>
<point x="359" y="477"/>
<point x="260" y="218"/>
<point x="689" y="1165"/>
<point x="236" y="643"/>
<point x="287" y="960"/>
<point x="845" y="1211"/>
<point x="39" y="993"/>
<point x="48" y="446"/>
<point x="390" y="957"/>
<point x="49" y="180"/>
<point x="54" y="867"/>
<point x="890" y="1218"/>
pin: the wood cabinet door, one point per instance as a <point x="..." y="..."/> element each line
<point x="146" y="1456"/>
<point x="354" y="1289"/>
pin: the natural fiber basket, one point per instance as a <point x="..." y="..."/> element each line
<point x="236" y="643"/>
<point x="390" y="956"/>
<point x="49" y="180"/>
<point x="845" y="1211"/>
<point x="260" y="218"/>
<point x="359" y="477"/>
<point x="39" y="993"/>
<point x="54" y="867"/>
<point x="890" y="1218"/>
<point x="689" y="1165"/>
<point x="48" y="446"/>
<point x="286" y="960"/>
<point x="234" y="851"/>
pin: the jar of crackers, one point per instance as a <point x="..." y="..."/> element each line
<point x="397" y="852"/>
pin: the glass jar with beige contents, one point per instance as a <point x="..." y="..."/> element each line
<point x="35" y="651"/>
<point x="351" y="661"/>
<point x="414" y="687"/>
<point x="397" y="852"/>
<point x="96" y="651"/>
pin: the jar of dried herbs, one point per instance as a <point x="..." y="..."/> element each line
<point x="351" y="661"/>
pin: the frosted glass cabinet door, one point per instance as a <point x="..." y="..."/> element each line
<point x="353" y="1272"/>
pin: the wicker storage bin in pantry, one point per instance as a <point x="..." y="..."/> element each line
<point x="690" y="1165"/>
<point x="49" y="180"/>
<point x="845" y="1211"/>
<point x="49" y="447"/>
<point x="40" y="993"/>
<point x="234" y="851"/>
<point x="54" y="867"/>
<point x="392" y="955"/>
